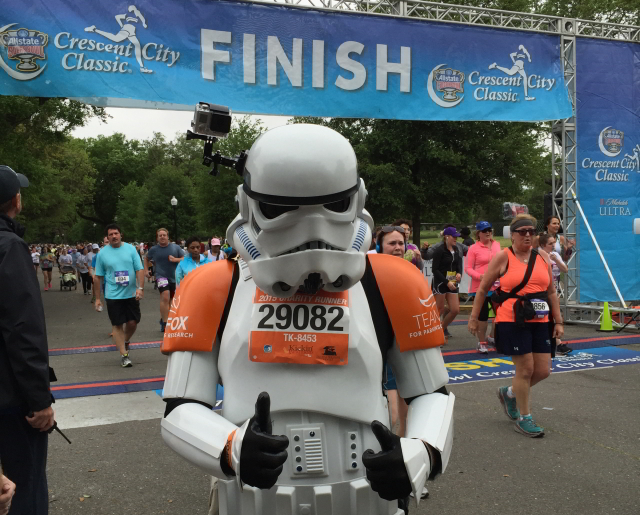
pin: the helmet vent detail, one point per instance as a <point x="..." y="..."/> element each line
<point x="254" y="224"/>
<point x="360" y="235"/>
<point x="247" y="243"/>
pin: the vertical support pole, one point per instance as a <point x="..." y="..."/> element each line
<point x="564" y="177"/>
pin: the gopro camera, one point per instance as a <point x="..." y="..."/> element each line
<point x="211" y="120"/>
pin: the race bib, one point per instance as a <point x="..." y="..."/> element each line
<point x="122" y="278"/>
<point x="451" y="276"/>
<point x="541" y="307"/>
<point x="162" y="282"/>
<point x="303" y="329"/>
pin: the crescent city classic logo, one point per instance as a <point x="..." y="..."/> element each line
<point x="113" y="47"/>
<point x="25" y="46"/>
<point x="446" y="85"/>
<point x="611" y="141"/>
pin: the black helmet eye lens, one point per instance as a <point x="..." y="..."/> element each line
<point x="339" y="206"/>
<point x="271" y="211"/>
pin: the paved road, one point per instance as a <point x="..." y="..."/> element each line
<point x="588" y="463"/>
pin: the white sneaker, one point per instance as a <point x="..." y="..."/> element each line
<point x="491" y="341"/>
<point x="482" y="348"/>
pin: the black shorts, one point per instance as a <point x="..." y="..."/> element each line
<point x="512" y="340"/>
<point x="170" y="287"/>
<point x="122" y="311"/>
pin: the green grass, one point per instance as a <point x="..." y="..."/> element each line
<point x="434" y="237"/>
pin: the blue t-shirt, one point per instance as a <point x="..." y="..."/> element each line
<point x="118" y="266"/>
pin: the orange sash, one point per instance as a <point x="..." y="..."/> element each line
<point x="409" y="301"/>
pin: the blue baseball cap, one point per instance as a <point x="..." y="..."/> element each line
<point x="481" y="226"/>
<point x="451" y="231"/>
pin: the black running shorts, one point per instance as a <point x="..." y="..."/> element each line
<point x="122" y="311"/>
<point x="170" y="287"/>
<point x="512" y="340"/>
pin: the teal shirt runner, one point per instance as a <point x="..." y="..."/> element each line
<point x="118" y="267"/>
<point x="187" y="265"/>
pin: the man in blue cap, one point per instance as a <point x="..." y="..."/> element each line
<point x="25" y="395"/>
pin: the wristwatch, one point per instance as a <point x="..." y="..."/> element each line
<point x="140" y="287"/>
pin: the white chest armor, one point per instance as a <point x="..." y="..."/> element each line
<point x="324" y="410"/>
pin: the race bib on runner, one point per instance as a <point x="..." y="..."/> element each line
<point x="122" y="278"/>
<point x="451" y="276"/>
<point x="303" y="329"/>
<point x="162" y="282"/>
<point x="541" y="307"/>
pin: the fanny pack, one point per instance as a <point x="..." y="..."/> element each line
<point x="523" y="308"/>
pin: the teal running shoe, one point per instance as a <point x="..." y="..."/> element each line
<point x="508" y="403"/>
<point x="529" y="428"/>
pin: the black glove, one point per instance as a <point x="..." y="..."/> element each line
<point x="386" y="470"/>
<point x="262" y="454"/>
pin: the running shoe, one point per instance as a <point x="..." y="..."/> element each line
<point x="563" y="349"/>
<point x="491" y="342"/>
<point x="446" y="333"/>
<point x="126" y="362"/>
<point x="528" y="427"/>
<point x="508" y="403"/>
<point x="482" y="348"/>
<point x="46" y="288"/>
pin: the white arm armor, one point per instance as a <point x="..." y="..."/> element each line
<point x="430" y="419"/>
<point x="194" y="431"/>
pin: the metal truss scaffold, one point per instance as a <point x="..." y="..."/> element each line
<point x="564" y="173"/>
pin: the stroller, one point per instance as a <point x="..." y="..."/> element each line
<point x="68" y="278"/>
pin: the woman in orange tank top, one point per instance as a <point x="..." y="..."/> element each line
<point x="525" y="340"/>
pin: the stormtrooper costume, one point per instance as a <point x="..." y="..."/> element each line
<point x="298" y="330"/>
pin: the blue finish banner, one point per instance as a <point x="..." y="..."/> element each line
<point x="276" y="59"/>
<point x="608" y="93"/>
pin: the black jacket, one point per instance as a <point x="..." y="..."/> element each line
<point x="24" y="352"/>
<point x="444" y="261"/>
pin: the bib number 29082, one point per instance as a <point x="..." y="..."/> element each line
<point x="301" y="317"/>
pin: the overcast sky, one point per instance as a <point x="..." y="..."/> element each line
<point x="142" y="123"/>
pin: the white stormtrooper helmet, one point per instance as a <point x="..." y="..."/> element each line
<point x="302" y="222"/>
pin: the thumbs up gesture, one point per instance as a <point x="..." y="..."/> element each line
<point x="262" y="454"/>
<point x="386" y="470"/>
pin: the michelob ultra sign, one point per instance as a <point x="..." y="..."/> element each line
<point x="277" y="59"/>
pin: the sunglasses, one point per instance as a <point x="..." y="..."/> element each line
<point x="392" y="228"/>
<point x="487" y="230"/>
<point x="525" y="232"/>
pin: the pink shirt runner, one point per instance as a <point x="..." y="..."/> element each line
<point x="477" y="262"/>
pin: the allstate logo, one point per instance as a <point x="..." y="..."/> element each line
<point x="449" y="86"/>
<point x="25" y="46"/>
<point x="611" y="141"/>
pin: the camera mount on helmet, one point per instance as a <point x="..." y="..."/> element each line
<point x="210" y="123"/>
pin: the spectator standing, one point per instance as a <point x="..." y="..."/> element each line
<point x="465" y="233"/>
<point x="526" y="340"/>
<point x="35" y="259"/>
<point x="215" y="254"/>
<point x="192" y="260"/>
<point x="119" y="265"/>
<point x="478" y="258"/>
<point x="83" y="264"/>
<point x="165" y="257"/>
<point x="562" y="246"/>
<point x="447" y="273"/>
<point x="391" y="241"/>
<point x="25" y="395"/>
<point x="47" y="259"/>
<point x="547" y="242"/>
